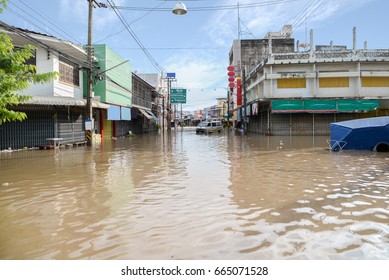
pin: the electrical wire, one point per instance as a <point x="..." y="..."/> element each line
<point x="61" y="31"/>
<point x="209" y="8"/>
<point x="26" y="35"/>
<point x="135" y="20"/>
<point x="306" y="13"/>
<point x="137" y="40"/>
<point x="312" y="11"/>
<point x="178" y="48"/>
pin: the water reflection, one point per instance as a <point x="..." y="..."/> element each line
<point x="189" y="196"/>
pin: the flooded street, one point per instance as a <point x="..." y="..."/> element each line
<point x="188" y="196"/>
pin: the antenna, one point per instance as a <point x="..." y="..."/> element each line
<point x="239" y="32"/>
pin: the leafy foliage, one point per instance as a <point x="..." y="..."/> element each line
<point x="2" y="3"/>
<point x="16" y="75"/>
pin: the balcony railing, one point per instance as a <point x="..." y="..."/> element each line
<point x="355" y="54"/>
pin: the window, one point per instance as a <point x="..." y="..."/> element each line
<point x="334" y="82"/>
<point x="375" y="81"/>
<point x="69" y="72"/>
<point x="292" y="83"/>
<point x="31" y="60"/>
<point x="292" y="80"/>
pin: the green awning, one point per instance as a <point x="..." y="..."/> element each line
<point x="323" y="105"/>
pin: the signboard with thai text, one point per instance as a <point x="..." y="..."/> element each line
<point x="178" y="95"/>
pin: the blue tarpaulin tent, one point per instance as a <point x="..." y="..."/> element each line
<point x="360" y="134"/>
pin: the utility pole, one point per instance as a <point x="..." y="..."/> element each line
<point x="169" y="106"/>
<point x="89" y="122"/>
<point x="244" y="100"/>
<point x="89" y="92"/>
<point x="169" y="78"/>
<point x="163" y="112"/>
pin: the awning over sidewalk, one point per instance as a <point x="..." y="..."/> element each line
<point x="151" y="114"/>
<point x="125" y="114"/>
<point x="63" y="101"/>
<point x="145" y="114"/>
<point x="114" y="113"/>
<point x="323" y="106"/>
<point x="119" y="113"/>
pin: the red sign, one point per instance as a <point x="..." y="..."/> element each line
<point x="238" y="91"/>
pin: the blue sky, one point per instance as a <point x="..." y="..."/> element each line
<point x="195" y="46"/>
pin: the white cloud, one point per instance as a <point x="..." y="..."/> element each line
<point x="201" y="76"/>
<point x="223" y="25"/>
<point x="103" y="18"/>
<point x="204" y="73"/>
<point x="77" y="9"/>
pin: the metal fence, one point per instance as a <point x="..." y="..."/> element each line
<point x="43" y="122"/>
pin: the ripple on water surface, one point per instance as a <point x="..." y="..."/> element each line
<point x="188" y="196"/>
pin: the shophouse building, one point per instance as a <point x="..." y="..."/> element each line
<point x="288" y="91"/>
<point x="144" y="99"/>
<point x="159" y="102"/>
<point x="113" y="86"/>
<point x="57" y="108"/>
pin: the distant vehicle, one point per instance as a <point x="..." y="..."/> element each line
<point x="209" y="127"/>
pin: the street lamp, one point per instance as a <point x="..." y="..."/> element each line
<point x="179" y="8"/>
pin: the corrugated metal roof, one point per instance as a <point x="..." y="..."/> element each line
<point x="63" y="101"/>
<point x="21" y="37"/>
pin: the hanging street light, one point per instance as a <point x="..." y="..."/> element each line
<point x="179" y="8"/>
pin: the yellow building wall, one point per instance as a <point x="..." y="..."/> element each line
<point x="375" y="81"/>
<point x="292" y="83"/>
<point x="334" y="82"/>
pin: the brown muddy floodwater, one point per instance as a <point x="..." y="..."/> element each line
<point x="188" y="196"/>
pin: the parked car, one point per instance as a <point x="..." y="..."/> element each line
<point x="209" y="127"/>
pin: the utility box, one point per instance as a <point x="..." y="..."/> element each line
<point x="89" y="124"/>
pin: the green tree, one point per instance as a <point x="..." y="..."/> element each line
<point x="16" y="75"/>
<point x="2" y="3"/>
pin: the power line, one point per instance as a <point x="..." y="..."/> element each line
<point x="312" y="11"/>
<point x="135" y="20"/>
<point x="177" y="48"/>
<point x="133" y="35"/>
<point x="26" y="35"/>
<point x="41" y="22"/>
<point x="209" y="8"/>
<point x="306" y="13"/>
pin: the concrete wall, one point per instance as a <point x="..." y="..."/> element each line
<point x="45" y="64"/>
<point x="116" y="85"/>
<point x="265" y="85"/>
